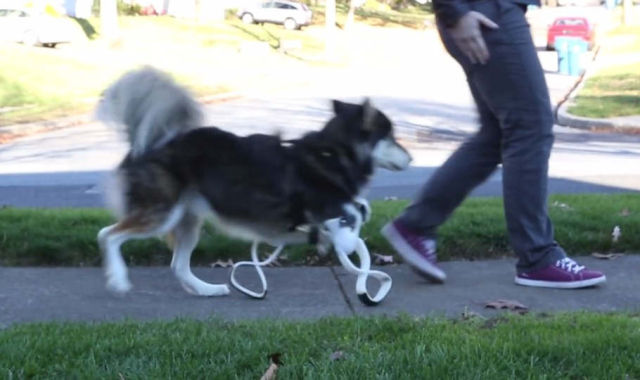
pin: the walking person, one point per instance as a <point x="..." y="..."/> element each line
<point x="491" y="40"/>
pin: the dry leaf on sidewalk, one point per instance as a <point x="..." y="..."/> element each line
<point x="507" y="304"/>
<point x="606" y="256"/>
<point x="274" y="360"/>
<point x="379" y="259"/>
<point x="221" y="264"/>
<point x="337" y="355"/>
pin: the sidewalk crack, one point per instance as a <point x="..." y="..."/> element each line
<point x="344" y="293"/>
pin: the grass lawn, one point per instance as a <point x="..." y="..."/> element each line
<point x="566" y="346"/>
<point x="378" y="14"/>
<point x="614" y="90"/>
<point x="42" y="83"/>
<point x="32" y="237"/>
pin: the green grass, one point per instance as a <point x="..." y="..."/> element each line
<point x="476" y="230"/>
<point x="614" y="90"/>
<point x="40" y="83"/>
<point x="566" y="346"/>
<point x="37" y="82"/>
<point x="377" y="14"/>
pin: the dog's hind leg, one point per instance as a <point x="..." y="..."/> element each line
<point x="137" y="225"/>
<point x="185" y="238"/>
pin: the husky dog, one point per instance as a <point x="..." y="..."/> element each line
<point x="256" y="188"/>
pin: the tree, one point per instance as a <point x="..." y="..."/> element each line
<point x="109" y="18"/>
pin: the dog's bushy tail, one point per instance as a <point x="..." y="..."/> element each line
<point x="151" y="106"/>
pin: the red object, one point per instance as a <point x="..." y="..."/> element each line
<point x="578" y="27"/>
<point x="149" y="10"/>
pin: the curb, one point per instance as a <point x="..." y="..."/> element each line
<point x="629" y="124"/>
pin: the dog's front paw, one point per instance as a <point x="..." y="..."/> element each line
<point x="118" y="286"/>
<point x="206" y="290"/>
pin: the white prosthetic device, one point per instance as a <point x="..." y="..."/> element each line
<point x="343" y="234"/>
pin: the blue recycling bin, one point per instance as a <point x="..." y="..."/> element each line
<point x="562" y="49"/>
<point x="577" y="49"/>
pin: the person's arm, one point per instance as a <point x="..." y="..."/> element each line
<point x="465" y="27"/>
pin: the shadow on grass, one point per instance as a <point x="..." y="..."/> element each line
<point x="376" y="18"/>
<point x="257" y="37"/>
<point x="87" y="28"/>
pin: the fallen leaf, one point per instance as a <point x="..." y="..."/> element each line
<point x="221" y="264"/>
<point x="625" y="212"/>
<point x="561" y="205"/>
<point x="379" y="259"/>
<point x="507" y="304"/>
<point x="615" y="235"/>
<point x="270" y="373"/>
<point x="337" y="355"/>
<point x="606" y="256"/>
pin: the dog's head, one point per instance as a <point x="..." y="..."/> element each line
<point x="370" y="131"/>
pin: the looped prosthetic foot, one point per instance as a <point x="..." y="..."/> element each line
<point x="343" y="233"/>
<point x="256" y="263"/>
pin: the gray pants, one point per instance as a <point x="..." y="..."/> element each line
<point x="516" y="130"/>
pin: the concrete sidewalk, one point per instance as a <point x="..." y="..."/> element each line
<point x="78" y="294"/>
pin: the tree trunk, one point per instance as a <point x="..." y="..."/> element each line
<point x="350" y="14"/>
<point x="330" y="15"/>
<point x="330" y="27"/>
<point x="627" y="12"/>
<point x="109" y="19"/>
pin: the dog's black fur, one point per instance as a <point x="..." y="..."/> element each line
<point x="262" y="178"/>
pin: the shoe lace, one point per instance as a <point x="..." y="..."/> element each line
<point x="569" y="265"/>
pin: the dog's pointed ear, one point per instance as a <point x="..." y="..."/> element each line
<point x="338" y="107"/>
<point x="369" y="113"/>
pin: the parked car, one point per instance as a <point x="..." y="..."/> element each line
<point x="578" y="27"/>
<point x="33" y="28"/>
<point x="291" y="14"/>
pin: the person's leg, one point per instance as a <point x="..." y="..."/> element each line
<point x="413" y="233"/>
<point x="513" y="85"/>
<point x="470" y="165"/>
<point x="510" y="87"/>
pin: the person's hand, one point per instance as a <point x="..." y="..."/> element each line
<point x="467" y="35"/>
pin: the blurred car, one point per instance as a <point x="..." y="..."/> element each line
<point x="33" y="28"/>
<point x="291" y="14"/>
<point x="578" y="27"/>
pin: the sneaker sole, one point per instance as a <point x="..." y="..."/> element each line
<point x="408" y="254"/>
<point x="561" y="285"/>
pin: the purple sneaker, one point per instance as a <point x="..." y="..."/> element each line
<point x="416" y="250"/>
<point x="564" y="274"/>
